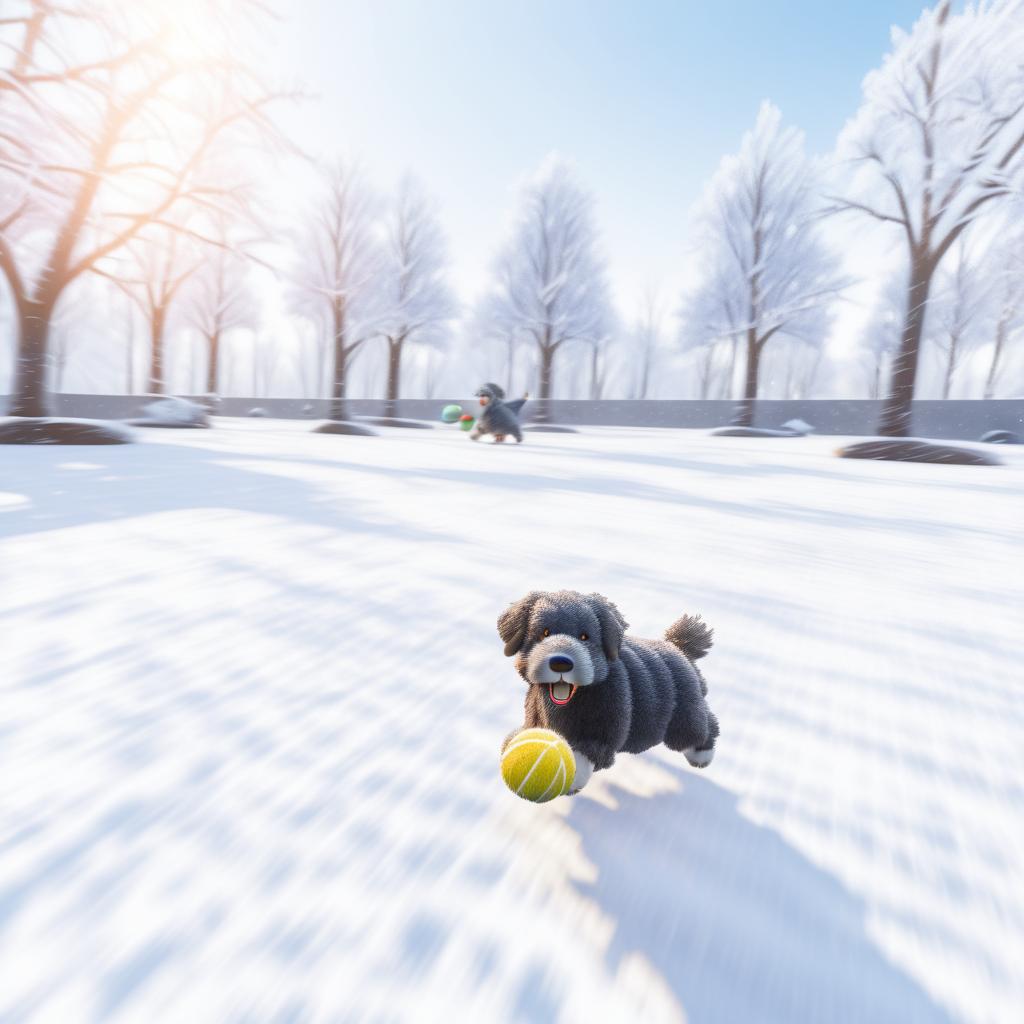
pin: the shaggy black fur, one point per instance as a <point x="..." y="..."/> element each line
<point x="498" y="417"/>
<point x="631" y="693"/>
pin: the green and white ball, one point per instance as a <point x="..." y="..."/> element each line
<point x="451" y="413"/>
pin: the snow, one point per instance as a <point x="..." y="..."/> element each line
<point x="174" y="412"/>
<point x="254" y="697"/>
<point x="798" y="425"/>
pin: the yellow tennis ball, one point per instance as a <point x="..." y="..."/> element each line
<point x="538" y="765"/>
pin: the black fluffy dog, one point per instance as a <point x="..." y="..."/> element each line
<point x="497" y="416"/>
<point x="604" y="691"/>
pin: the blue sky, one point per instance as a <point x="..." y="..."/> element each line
<point x="645" y="97"/>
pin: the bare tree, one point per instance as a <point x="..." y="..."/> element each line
<point x="1003" y="266"/>
<point x="337" y="274"/>
<point x="769" y="272"/>
<point x="107" y="119"/>
<point x="706" y="365"/>
<point x="433" y="364"/>
<point x="800" y="366"/>
<point x="645" y="343"/>
<point x="61" y="352"/>
<point x="219" y="299"/>
<point x="956" y="313"/>
<point x="161" y="263"/>
<point x="551" y="284"/>
<point x="310" y="355"/>
<point x="938" y="141"/>
<point x="266" y="359"/>
<point x="881" y="338"/>
<point x="129" y="346"/>
<point x="417" y="302"/>
<point x="495" y="343"/>
<point x="599" y="368"/>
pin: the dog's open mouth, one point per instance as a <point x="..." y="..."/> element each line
<point x="561" y="692"/>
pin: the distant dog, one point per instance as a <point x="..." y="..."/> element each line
<point x="604" y="691"/>
<point x="497" y="416"/>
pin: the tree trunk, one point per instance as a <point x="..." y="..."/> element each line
<point x="394" y="375"/>
<point x="947" y="382"/>
<point x="339" y="384"/>
<point x="339" y="407"/>
<point x="744" y="415"/>
<point x="705" y="369"/>
<point x="897" y="410"/>
<point x="130" y="352"/>
<point x="511" y="363"/>
<point x="730" y="379"/>
<point x="213" y="364"/>
<point x="993" y="370"/>
<point x="31" y="397"/>
<point x="60" y="361"/>
<point x="645" y="373"/>
<point x="156" y="361"/>
<point x="544" y="375"/>
<point x="595" y="374"/>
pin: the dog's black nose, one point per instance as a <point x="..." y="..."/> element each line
<point x="560" y="663"/>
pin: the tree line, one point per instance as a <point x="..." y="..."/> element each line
<point x="126" y="157"/>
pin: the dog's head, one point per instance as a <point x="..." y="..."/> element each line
<point x="562" y="640"/>
<point x="490" y="392"/>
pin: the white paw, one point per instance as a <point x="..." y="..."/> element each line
<point x="584" y="769"/>
<point x="699" y="758"/>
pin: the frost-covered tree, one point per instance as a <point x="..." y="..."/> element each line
<point x="881" y="338"/>
<point x="495" y="346"/>
<point x="645" y="342"/>
<point x="219" y="299"/>
<point x="550" y="282"/>
<point x="708" y="369"/>
<point x="416" y="302"/>
<point x="337" y="275"/>
<point x="108" y="113"/>
<point x="937" y="142"/>
<point x="151" y="271"/>
<point x="958" y="311"/>
<point x="1003" y="268"/>
<point x="769" y="273"/>
<point x="792" y="368"/>
<point x="600" y="366"/>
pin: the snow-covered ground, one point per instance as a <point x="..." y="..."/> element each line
<point x="252" y="699"/>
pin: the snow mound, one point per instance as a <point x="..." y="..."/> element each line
<point x="174" y="412"/>
<point x="798" y="426"/>
<point x="1000" y="437"/>
<point x="50" y="430"/>
<point x="902" y="449"/>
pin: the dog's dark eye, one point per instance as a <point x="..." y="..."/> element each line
<point x="583" y="636"/>
<point x="547" y="632"/>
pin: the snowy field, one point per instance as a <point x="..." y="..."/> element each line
<point x="253" y="697"/>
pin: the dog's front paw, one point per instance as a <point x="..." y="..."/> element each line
<point x="699" y="758"/>
<point x="584" y="769"/>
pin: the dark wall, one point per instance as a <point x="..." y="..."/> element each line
<point x="951" y="419"/>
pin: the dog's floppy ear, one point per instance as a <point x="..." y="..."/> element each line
<point x="513" y="621"/>
<point x="613" y="625"/>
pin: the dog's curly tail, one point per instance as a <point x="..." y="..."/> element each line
<point x="692" y="635"/>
